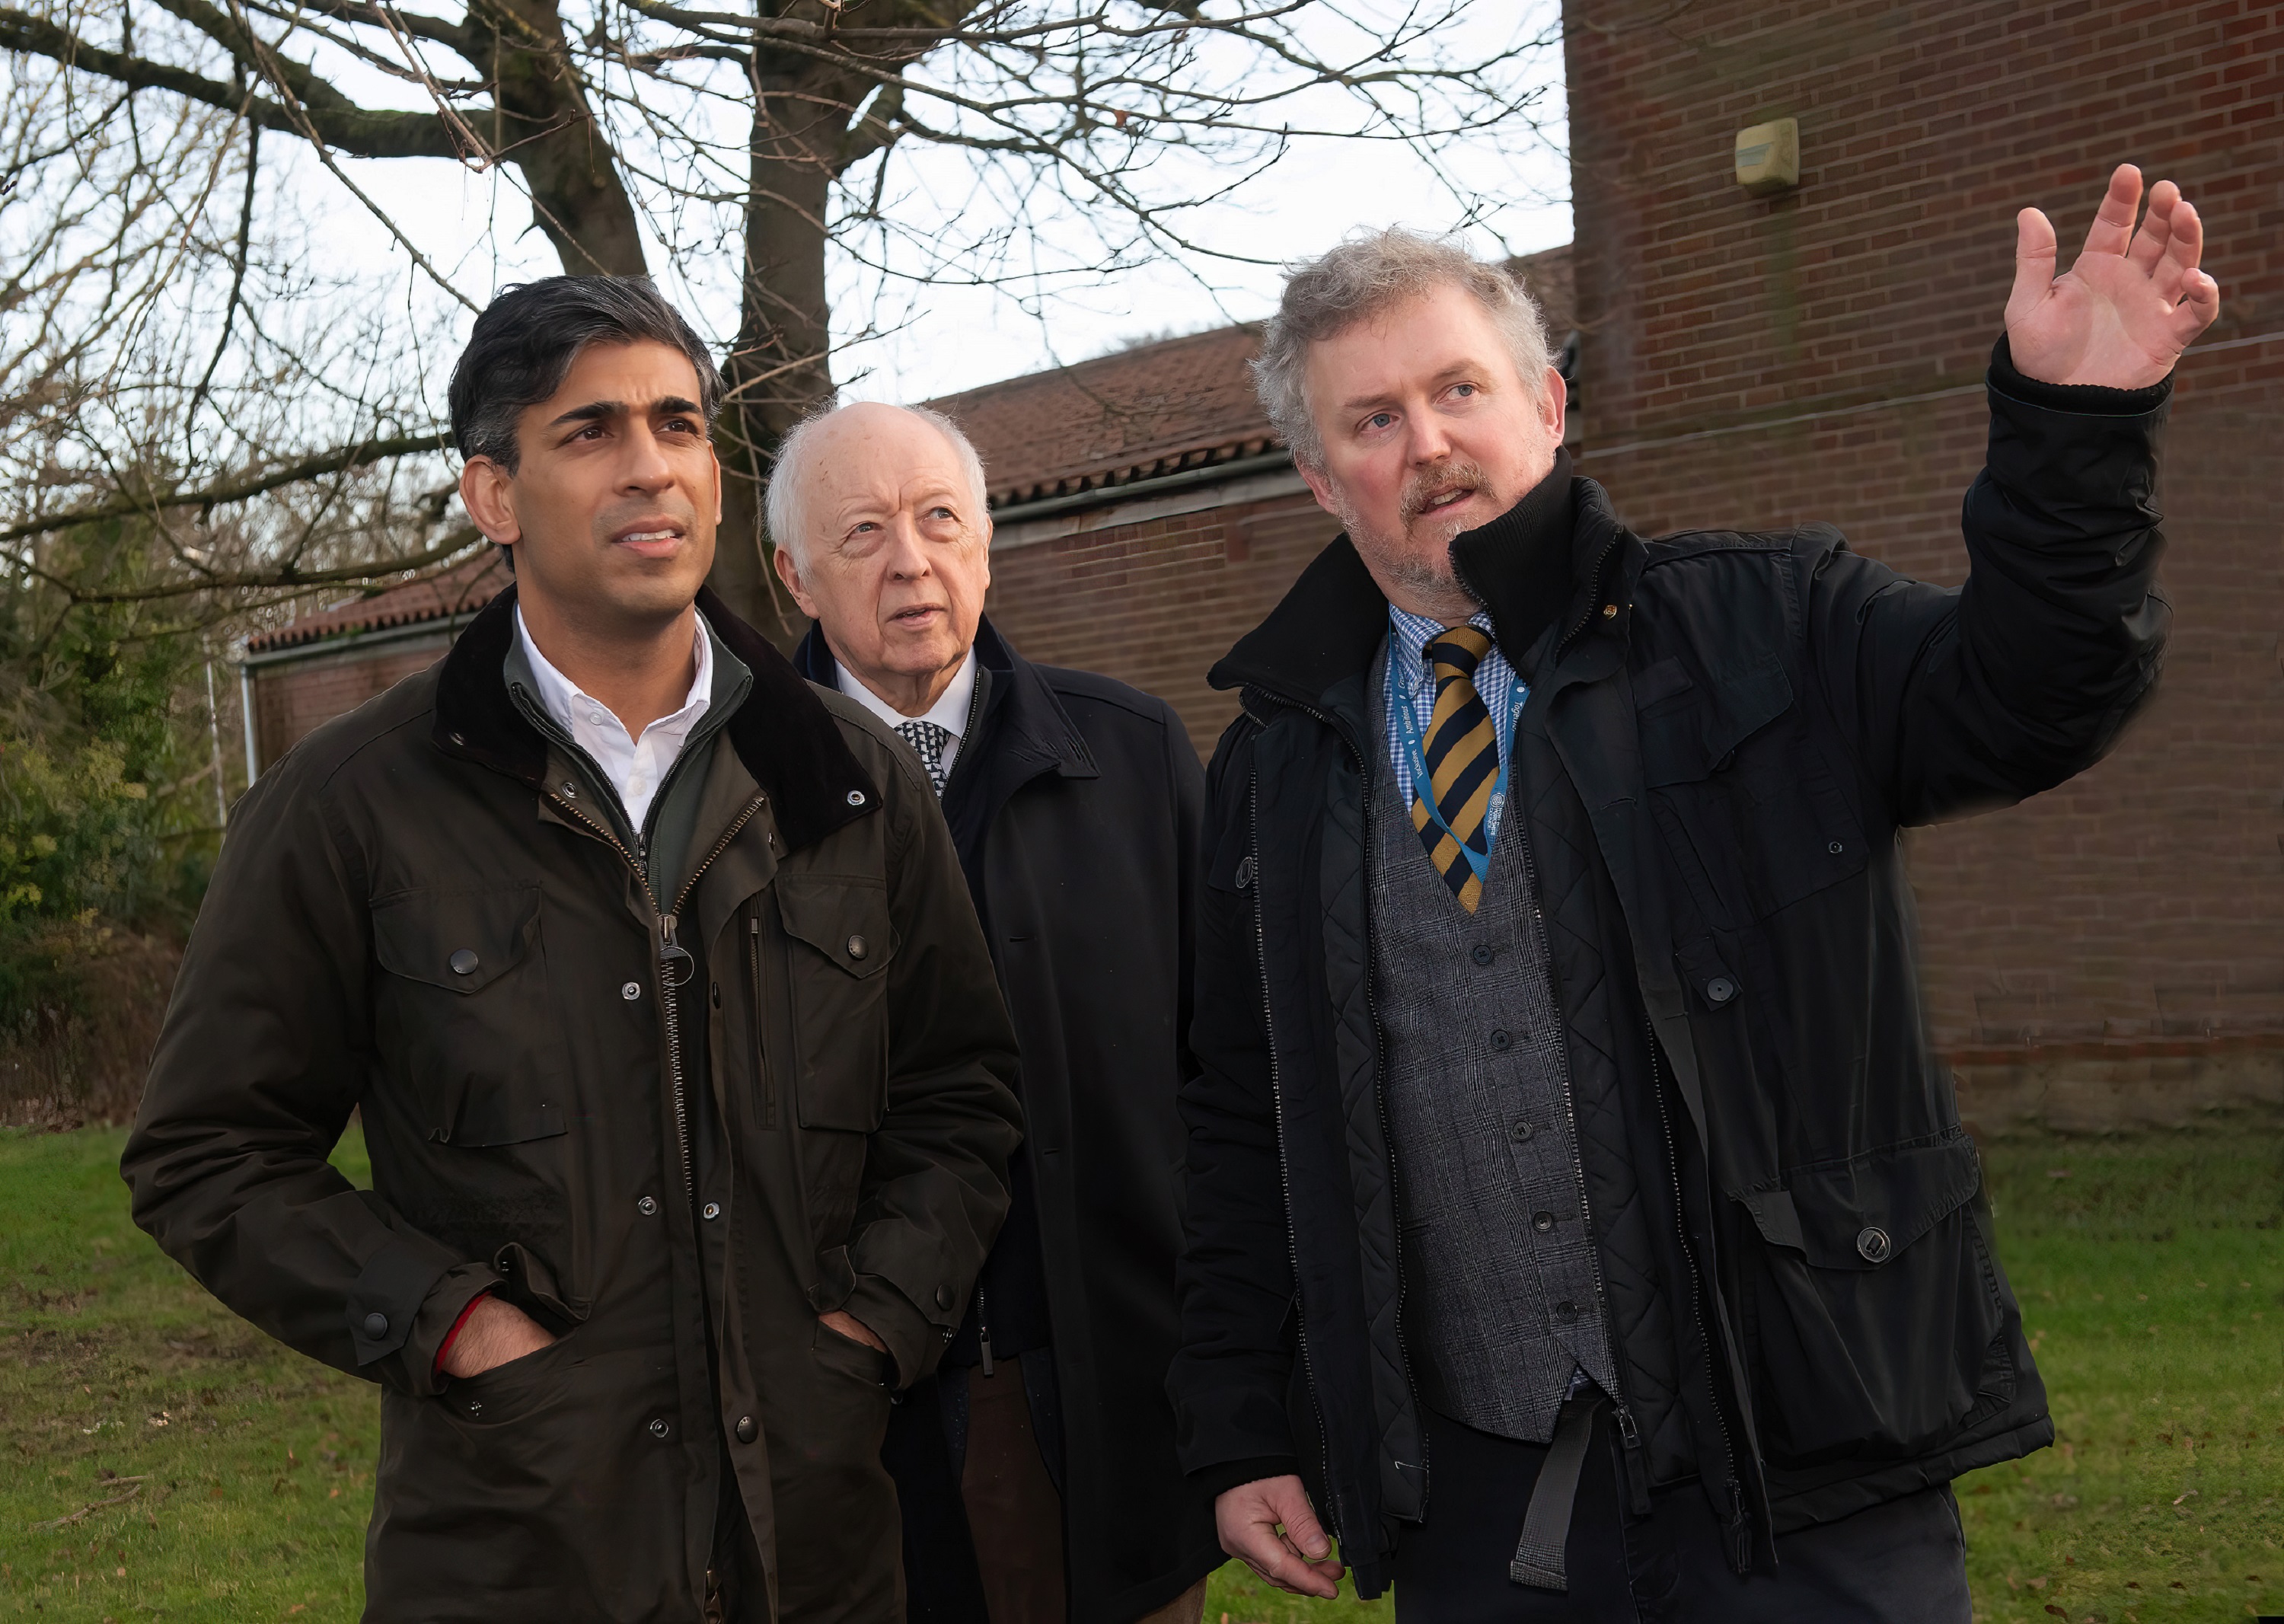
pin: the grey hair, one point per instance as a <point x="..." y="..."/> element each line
<point x="1364" y="275"/>
<point x="782" y="507"/>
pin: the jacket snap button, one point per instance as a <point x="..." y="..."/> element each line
<point x="1873" y="1244"/>
<point x="1835" y="848"/>
<point x="1522" y="1131"/>
<point x="856" y="948"/>
<point x="647" y="1206"/>
<point x="713" y="1210"/>
<point x="855" y="798"/>
<point x="570" y="790"/>
<point x="1502" y="1041"/>
<point x="1482" y="953"/>
<point x="1609" y="612"/>
<point x="1244" y="872"/>
<point x="631" y="991"/>
<point x="943" y="1297"/>
<point x="376" y="1324"/>
<point x="1720" y="989"/>
<point x="459" y="739"/>
<point x="745" y="1429"/>
<point x="464" y="961"/>
<point x="1542" y="1222"/>
<point x="661" y="1429"/>
<point x="475" y="1406"/>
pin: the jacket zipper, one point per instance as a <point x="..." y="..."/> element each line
<point x="984" y="1330"/>
<point x="1283" y="1167"/>
<point x="1696" y="1288"/>
<point x="762" y="1061"/>
<point x="1380" y="1097"/>
<point x="672" y="957"/>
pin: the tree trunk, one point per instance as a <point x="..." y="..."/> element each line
<point x="780" y="368"/>
<point x="548" y="131"/>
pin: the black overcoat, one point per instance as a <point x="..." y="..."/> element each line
<point x="1076" y="805"/>
<point x="1725" y="735"/>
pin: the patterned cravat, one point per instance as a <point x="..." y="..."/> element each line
<point x="928" y="741"/>
<point x="1461" y="750"/>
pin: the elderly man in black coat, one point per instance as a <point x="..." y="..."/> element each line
<point x="1037" y="1470"/>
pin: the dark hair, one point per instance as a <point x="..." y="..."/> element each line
<point x="528" y="337"/>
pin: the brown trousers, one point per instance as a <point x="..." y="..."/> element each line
<point x="1015" y="1517"/>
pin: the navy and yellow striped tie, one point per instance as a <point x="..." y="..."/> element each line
<point x="1461" y="749"/>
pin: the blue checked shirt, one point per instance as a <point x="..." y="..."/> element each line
<point x="1409" y="675"/>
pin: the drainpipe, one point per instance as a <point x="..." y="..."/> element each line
<point x="213" y="740"/>
<point x="246" y="720"/>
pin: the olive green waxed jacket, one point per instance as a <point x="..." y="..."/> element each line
<point x="420" y="916"/>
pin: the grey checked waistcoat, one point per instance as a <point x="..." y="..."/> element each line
<point x="1501" y="1304"/>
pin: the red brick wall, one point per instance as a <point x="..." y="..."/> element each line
<point x="2111" y="950"/>
<point x="1155" y="603"/>
<point x="292" y="699"/>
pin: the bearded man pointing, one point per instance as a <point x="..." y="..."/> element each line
<point x="1566" y="1126"/>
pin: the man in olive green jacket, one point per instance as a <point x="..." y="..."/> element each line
<point x="654" y="975"/>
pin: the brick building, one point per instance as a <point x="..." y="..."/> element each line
<point x="2108" y="953"/>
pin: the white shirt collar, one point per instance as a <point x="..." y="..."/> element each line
<point x="949" y="712"/>
<point x="636" y="768"/>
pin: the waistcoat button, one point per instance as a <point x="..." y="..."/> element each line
<point x="1502" y="1041"/>
<point x="746" y="1430"/>
<point x="1522" y="1131"/>
<point x="1482" y="953"/>
<point x="1542" y="1222"/>
<point x="1565" y="1310"/>
<point x="1873" y="1245"/>
<point x="464" y="961"/>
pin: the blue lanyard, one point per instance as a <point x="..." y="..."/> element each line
<point x="1415" y="749"/>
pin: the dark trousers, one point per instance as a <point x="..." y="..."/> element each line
<point x="1901" y="1563"/>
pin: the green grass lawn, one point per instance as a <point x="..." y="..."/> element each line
<point x="159" y="1458"/>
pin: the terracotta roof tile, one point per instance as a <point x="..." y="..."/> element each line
<point x="1151" y="410"/>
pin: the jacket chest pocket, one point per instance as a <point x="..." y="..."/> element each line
<point x="464" y="1014"/>
<point x="837" y="952"/>
<point x="1746" y="799"/>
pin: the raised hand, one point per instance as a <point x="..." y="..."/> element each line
<point x="2134" y="301"/>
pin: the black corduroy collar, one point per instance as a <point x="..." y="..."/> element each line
<point x="783" y="734"/>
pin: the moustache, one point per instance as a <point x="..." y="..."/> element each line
<point x="1448" y="477"/>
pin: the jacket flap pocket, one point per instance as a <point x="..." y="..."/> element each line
<point x="1690" y="736"/>
<point x="460" y="941"/>
<point x="845" y="919"/>
<point x="1860" y="1213"/>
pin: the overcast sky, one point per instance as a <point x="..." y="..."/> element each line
<point x="477" y="229"/>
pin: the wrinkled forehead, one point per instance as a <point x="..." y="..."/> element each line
<point x="880" y="454"/>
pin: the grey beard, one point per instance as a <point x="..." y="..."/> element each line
<point x="1429" y="579"/>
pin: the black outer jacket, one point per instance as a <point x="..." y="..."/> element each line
<point x="1724" y="736"/>
<point x="1075" y="808"/>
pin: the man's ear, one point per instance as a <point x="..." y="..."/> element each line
<point x="488" y="491"/>
<point x="716" y="455"/>
<point x="1553" y="402"/>
<point x="789" y="571"/>
<point x="1319" y="486"/>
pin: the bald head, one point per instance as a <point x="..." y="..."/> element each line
<point x="882" y="538"/>
<point x="907" y="435"/>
